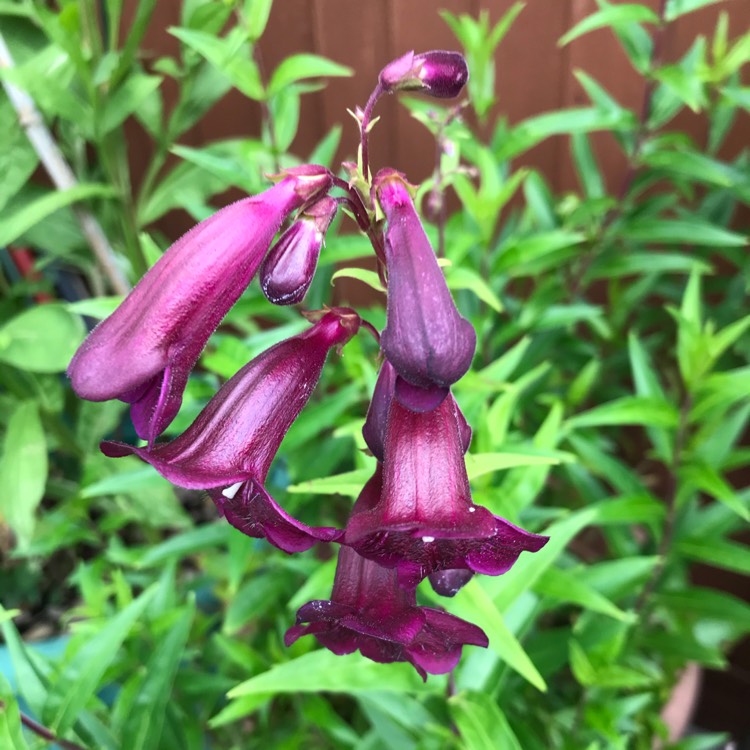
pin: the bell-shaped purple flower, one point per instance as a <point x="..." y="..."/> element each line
<point x="438" y="73"/>
<point x="388" y="385"/>
<point x="143" y="352"/>
<point x="288" y="269"/>
<point x="369" y="611"/>
<point x="424" y="520"/>
<point x="230" y="446"/>
<point x="425" y="338"/>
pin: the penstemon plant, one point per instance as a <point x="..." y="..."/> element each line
<point x="415" y="517"/>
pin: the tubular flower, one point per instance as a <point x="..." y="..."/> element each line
<point x="369" y="611"/>
<point x="425" y="338"/>
<point x="289" y="267"/>
<point x="230" y="446"/>
<point x="424" y="520"/>
<point x="388" y="385"/>
<point x="439" y="73"/>
<point x="143" y="352"/>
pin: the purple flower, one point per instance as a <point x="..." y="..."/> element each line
<point x="389" y="384"/>
<point x="144" y="351"/>
<point x="230" y="446"/>
<point x="369" y="611"/>
<point x="425" y="338"/>
<point x="439" y="73"/>
<point x="289" y="267"/>
<point x="424" y="520"/>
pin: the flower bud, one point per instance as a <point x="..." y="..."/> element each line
<point x="143" y="353"/>
<point x="425" y="338"/>
<point x="439" y="73"/>
<point x="289" y="267"/>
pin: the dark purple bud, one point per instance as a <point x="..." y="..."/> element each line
<point x="144" y="352"/>
<point x="449" y="582"/>
<point x="230" y="446"/>
<point x="368" y="611"/>
<point x="439" y="73"/>
<point x="417" y="399"/>
<point x="289" y="267"/>
<point x="424" y="520"/>
<point x="425" y="338"/>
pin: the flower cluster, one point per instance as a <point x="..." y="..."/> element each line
<point x="415" y="517"/>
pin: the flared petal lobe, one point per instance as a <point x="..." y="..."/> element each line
<point x="425" y="338"/>
<point x="368" y="611"/>
<point x="424" y="520"/>
<point x="289" y="267"/>
<point x="144" y="351"/>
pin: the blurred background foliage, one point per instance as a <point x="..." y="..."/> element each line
<point x="609" y="397"/>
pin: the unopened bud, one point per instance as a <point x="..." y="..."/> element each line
<point x="439" y="73"/>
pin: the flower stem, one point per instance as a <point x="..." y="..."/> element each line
<point x="363" y="130"/>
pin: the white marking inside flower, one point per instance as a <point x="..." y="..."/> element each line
<point x="230" y="492"/>
<point x="428" y="539"/>
<point x="472" y="510"/>
<point x="319" y="237"/>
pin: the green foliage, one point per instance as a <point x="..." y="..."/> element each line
<point x="609" y="399"/>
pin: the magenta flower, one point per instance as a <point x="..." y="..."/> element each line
<point x="230" y="446"/>
<point x="369" y="611"/>
<point x="424" y="520"/>
<point x="425" y="338"/>
<point x="389" y="384"/>
<point x="144" y="352"/>
<point x="439" y="73"/>
<point x="289" y="267"/>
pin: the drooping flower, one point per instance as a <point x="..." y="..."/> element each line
<point x="288" y="269"/>
<point x="230" y="446"/>
<point x="425" y="338"/>
<point x="424" y="520"/>
<point x="368" y="611"/>
<point x="144" y="352"/>
<point x="390" y="385"/>
<point x="438" y="73"/>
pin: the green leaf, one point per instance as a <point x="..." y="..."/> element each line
<point x="23" y="471"/>
<point x="721" y="553"/>
<point x="13" y="226"/>
<point x="567" y="586"/>
<point x="324" y="671"/>
<point x="126" y="99"/>
<point x="476" y="606"/>
<point x="361" y="274"/>
<point x="481" y="723"/>
<point x="479" y="464"/>
<point x="255" y="15"/>
<point x="652" y="412"/>
<point x="18" y="159"/>
<point x="530" y="568"/>
<point x="708" y="480"/>
<point x="11" y="732"/>
<point x="536" y="129"/>
<point x="677" y="8"/>
<point x="299" y="67"/>
<point x="464" y="278"/>
<point x="610" y="16"/>
<point x="187" y="543"/>
<point x="138" y="480"/>
<point x="143" y="726"/>
<point x="41" y="339"/>
<point x="81" y="673"/>
<point x="707" y="604"/>
<point x="96" y="307"/>
<point x="348" y="484"/>
<point x="681" y="231"/>
<point x="228" y="55"/>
